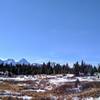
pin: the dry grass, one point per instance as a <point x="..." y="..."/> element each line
<point x="7" y="86"/>
<point x="93" y="90"/>
<point x="88" y="93"/>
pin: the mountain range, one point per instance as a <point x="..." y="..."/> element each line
<point x="13" y="62"/>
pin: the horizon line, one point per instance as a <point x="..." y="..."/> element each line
<point x="41" y="61"/>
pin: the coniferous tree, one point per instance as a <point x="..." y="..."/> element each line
<point x="76" y="68"/>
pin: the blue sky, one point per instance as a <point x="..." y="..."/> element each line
<point x="55" y="30"/>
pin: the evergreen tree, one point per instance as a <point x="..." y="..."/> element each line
<point x="76" y="68"/>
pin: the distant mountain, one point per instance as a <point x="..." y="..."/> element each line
<point x="23" y="61"/>
<point x="13" y="62"/>
<point x="10" y="61"/>
<point x="1" y="61"/>
<point x="36" y="64"/>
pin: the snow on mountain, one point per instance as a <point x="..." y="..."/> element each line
<point x="23" y="61"/>
<point x="10" y="61"/>
<point x="13" y="62"/>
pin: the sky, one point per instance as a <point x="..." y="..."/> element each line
<point x="50" y="30"/>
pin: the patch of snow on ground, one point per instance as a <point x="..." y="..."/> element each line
<point x="89" y="98"/>
<point x="7" y="93"/>
<point x="88" y="78"/>
<point x="39" y="90"/>
<point x="18" y="78"/>
<point x="70" y="75"/>
<point x="58" y="81"/>
<point x="27" y="98"/>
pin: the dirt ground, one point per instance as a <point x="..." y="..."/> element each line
<point x="91" y="89"/>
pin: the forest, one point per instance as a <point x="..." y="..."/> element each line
<point x="49" y="68"/>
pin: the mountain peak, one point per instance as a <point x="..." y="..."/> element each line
<point x="10" y="61"/>
<point x="23" y="61"/>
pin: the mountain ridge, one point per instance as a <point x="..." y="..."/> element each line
<point x="13" y="62"/>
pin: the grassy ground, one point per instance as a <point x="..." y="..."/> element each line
<point x="92" y="89"/>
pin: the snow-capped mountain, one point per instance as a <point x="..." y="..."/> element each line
<point x="23" y="61"/>
<point x="10" y="61"/>
<point x="13" y="62"/>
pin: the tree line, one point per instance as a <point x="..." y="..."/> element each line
<point x="49" y="68"/>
